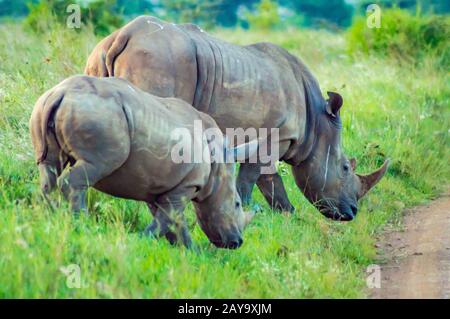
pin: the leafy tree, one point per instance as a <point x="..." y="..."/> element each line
<point x="134" y="7"/>
<point x="199" y="12"/>
<point x="99" y="13"/>
<point x="427" y="6"/>
<point x="227" y="15"/>
<point x="103" y="16"/>
<point x="266" y="16"/>
<point x="334" y="12"/>
<point x="14" y="8"/>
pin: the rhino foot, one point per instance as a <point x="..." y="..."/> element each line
<point x="157" y="230"/>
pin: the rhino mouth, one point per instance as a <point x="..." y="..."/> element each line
<point x="232" y="244"/>
<point x="345" y="212"/>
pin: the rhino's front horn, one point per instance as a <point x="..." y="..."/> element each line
<point x="244" y="151"/>
<point x="370" y="180"/>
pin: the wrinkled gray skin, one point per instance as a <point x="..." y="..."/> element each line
<point x="116" y="138"/>
<point x="260" y="86"/>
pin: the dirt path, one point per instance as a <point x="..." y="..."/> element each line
<point x="418" y="258"/>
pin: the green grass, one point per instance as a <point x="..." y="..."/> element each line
<point x="392" y="111"/>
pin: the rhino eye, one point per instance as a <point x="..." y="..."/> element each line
<point x="238" y="204"/>
<point x="346" y="167"/>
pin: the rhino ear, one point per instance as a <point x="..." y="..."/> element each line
<point x="353" y="163"/>
<point x="334" y="103"/>
<point x="248" y="216"/>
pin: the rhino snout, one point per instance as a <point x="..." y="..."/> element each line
<point x="345" y="211"/>
<point x="233" y="242"/>
<point x="230" y="244"/>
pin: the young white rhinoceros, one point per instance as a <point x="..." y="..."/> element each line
<point x="106" y="133"/>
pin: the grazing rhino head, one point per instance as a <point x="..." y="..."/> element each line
<point x="220" y="214"/>
<point x="327" y="178"/>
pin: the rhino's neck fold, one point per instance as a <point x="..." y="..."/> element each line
<point x="306" y="149"/>
<point x="209" y="70"/>
<point x="313" y="104"/>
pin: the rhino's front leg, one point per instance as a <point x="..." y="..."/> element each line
<point x="247" y="177"/>
<point x="272" y="187"/>
<point x="169" y="221"/>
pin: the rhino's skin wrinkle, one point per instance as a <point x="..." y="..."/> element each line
<point x="117" y="140"/>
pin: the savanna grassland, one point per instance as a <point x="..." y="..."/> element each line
<point x="392" y="109"/>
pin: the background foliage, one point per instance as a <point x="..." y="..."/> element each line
<point x="225" y="13"/>
<point x="411" y="38"/>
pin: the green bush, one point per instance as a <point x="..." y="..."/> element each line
<point x="203" y="13"/>
<point x="266" y="16"/>
<point x="100" y="14"/>
<point x="40" y="17"/>
<point x="408" y="37"/>
<point x="330" y="14"/>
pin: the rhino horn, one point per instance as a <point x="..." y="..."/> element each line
<point x="248" y="216"/>
<point x="370" y="180"/>
<point x="244" y="151"/>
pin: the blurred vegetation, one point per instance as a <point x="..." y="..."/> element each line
<point x="98" y="13"/>
<point x="408" y="37"/>
<point x="266" y="16"/>
<point x="325" y="13"/>
<point x="426" y="6"/>
<point x="332" y="14"/>
<point x="199" y="12"/>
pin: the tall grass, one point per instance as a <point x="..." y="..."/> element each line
<point x="392" y="111"/>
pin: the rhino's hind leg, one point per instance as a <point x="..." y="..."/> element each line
<point x="75" y="181"/>
<point x="169" y="221"/>
<point x="271" y="186"/>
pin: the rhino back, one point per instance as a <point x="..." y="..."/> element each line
<point x="259" y="86"/>
<point x="248" y="86"/>
<point x="113" y="124"/>
<point x="150" y="169"/>
<point x="157" y="57"/>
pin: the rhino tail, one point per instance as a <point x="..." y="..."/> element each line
<point x="49" y="108"/>
<point x="96" y="62"/>
<point x="118" y="45"/>
<point x="97" y="68"/>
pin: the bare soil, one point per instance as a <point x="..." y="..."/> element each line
<point x="417" y="259"/>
